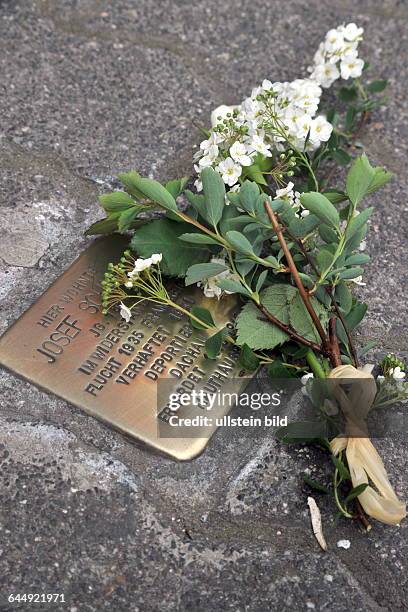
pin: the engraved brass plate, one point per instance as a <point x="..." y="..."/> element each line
<point x="111" y="368"/>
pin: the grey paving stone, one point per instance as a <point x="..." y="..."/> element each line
<point x="90" y="89"/>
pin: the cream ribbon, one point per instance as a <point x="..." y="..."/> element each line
<point x="364" y="462"/>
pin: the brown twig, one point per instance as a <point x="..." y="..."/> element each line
<point x="334" y="343"/>
<point x="292" y="266"/>
<point x="288" y="329"/>
<point x="333" y="300"/>
<point x="361" y="517"/>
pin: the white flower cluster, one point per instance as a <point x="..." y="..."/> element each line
<point x="337" y="56"/>
<point x="142" y="264"/>
<point x="278" y="116"/>
<point x="210" y="287"/>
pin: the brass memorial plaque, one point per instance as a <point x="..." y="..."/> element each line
<point x="111" y="368"/>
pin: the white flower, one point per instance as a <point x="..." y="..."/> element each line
<point x="281" y="193"/>
<point x="156" y="258"/>
<point x="258" y="144"/>
<point x="351" y="67"/>
<point x="352" y="32"/>
<point x="140" y="265"/>
<point x="320" y="130"/>
<point x="326" y="74"/>
<point x="230" y="171"/>
<point x="334" y="41"/>
<point x="210" y="157"/>
<point x="221" y="111"/>
<point x="125" y="312"/>
<point x="358" y="281"/>
<point x="238" y="152"/>
<point x="214" y="139"/>
<point x="397" y="373"/>
<point x="129" y="284"/>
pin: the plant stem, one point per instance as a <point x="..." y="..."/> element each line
<point x="292" y="266"/>
<point x="315" y="364"/>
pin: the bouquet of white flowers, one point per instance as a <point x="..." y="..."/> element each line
<point x="265" y="223"/>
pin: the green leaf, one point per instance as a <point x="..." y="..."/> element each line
<point x="347" y="94"/>
<point x="161" y="236"/>
<point x="377" y="86"/>
<point x="214" y="195"/>
<point x="256" y="331"/>
<point x="198" y="272"/>
<point x="356" y="491"/>
<point x="247" y="359"/>
<point x="359" y="178"/>
<point x="116" y="201"/>
<point x="198" y="239"/>
<point x="358" y="221"/>
<point x="157" y="193"/>
<point x="351" y="273"/>
<point x="301" y="320"/>
<point x="129" y="180"/>
<point x="277" y="369"/>
<point x="327" y="234"/>
<point x="239" y="242"/>
<point x="176" y="186"/>
<point x="261" y="280"/>
<point x="284" y="302"/>
<point x="321" y="206"/>
<point x="213" y="344"/>
<point x="341" y="157"/>
<point x="350" y="118"/>
<point x="344" y="297"/>
<point x="254" y="172"/>
<point x="342" y="469"/>
<point x="232" y="286"/>
<point x="381" y="178"/>
<point x="335" y="197"/>
<point x="127" y="218"/>
<point x="248" y="196"/>
<point x="314" y="484"/>
<point x="204" y="315"/>
<point x="324" y="259"/>
<point x="104" y="226"/>
<point x="356" y="315"/>
<point x="357" y="260"/>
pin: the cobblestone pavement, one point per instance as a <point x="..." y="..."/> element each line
<point x="92" y="88"/>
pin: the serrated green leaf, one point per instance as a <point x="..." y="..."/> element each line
<point x="214" y="195"/>
<point x="359" y="178"/>
<point x="301" y="321"/>
<point x="161" y="236"/>
<point x="198" y="272"/>
<point x="320" y="206"/>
